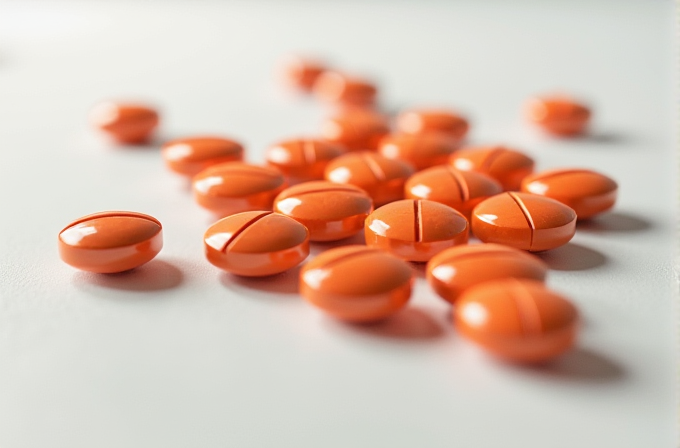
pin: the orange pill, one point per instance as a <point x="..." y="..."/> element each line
<point x="108" y="242"/>
<point x="302" y="160"/>
<point x="236" y="187"/>
<point x="256" y="244"/>
<point x="415" y="230"/>
<point x="302" y="73"/>
<point x="357" y="283"/>
<point x="356" y="129"/>
<point x="125" y="122"/>
<point x="454" y="270"/>
<point x="341" y="88"/>
<point x="462" y="190"/>
<point x="427" y="120"/>
<point x="420" y="150"/>
<point x="382" y="178"/>
<point x="525" y="221"/>
<point x="558" y="115"/>
<point x="519" y="320"/>
<point x="505" y="165"/>
<point x="330" y="211"/>
<point x="587" y="192"/>
<point x="190" y="156"/>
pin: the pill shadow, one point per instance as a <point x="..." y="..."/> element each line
<point x="614" y="222"/>
<point x="605" y="137"/>
<point x="572" y="257"/>
<point x="156" y="275"/>
<point x="419" y="269"/>
<point x="412" y="324"/>
<point x="285" y="283"/>
<point x="580" y="364"/>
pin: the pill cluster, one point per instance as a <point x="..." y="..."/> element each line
<point x="408" y="182"/>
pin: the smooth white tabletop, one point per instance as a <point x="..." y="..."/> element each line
<point x="178" y="354"/>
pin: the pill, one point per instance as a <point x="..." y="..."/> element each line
<point x="235" y="187"/>
<point x="357" y="283"/>
<point x="356" y="129"/>
<point x="125" y="122"/>
<point x="415" y="230"/>
<point x="330" y="211"/>
<point x="190" y="156"/>
<point x="111" y="241"/>
<point x="420" y="150"/>
<point x="301" y="72"/>
<point x="256" y="243"/>
<point x="303" y="159"/>
<point x="558" y="115"/>
<point x="337" y="87"/>
<point x="523" y="220"/>
<point x="461" y="190"/>
<point x="454" y="270"/>
<point x="586" y="191"/>
<point x="426" y="120"/>
<point x="518" y="320"/>
<point x="507" y="166"/>
<point x="382" y="178"/>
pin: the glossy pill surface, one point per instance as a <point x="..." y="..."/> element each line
<point x="382" y="178"/>
<point x="235" y="187"/>
<point x="454" y="270"/>
<point x="330" y="211"/>
<point x="356" y="129"/>
<point x="525" y="221"/>
<point x="415" y="230"/>
<point x="303" y="159"/>
<point x="559" y="115"/>
<point x="506" y="165"/>
<point x="190" y="156"/>
<point x="341" y="88"/>
<point x="518" y="320"/>
<point x="420" y="150"/>
<point x="125" y="122"/>
<point x="587" y="192"/>
<point x="357" y="283"/>
<point x="428" y="120"/>
<point x="461" y="190"/>
<point x="256" y="243"/>
<point x="301" y="72"/>
<point x="112" y="241"/>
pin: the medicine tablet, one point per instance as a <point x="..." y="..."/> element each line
<point x="125" y="122"/>
<point x="427" y="120"/>
<point x="454" y="270"/>
<point x="506" y="165"/>
<point x="461" y="190"/>
<point x="356" y="129"/>
<point x="256" y="243"/>
<point x="190" y="156"/>
<point x="559" y="115"/>
<point x="382" y="178"/>
<point x="525" y="221"/>
<point x="330" y="211"/>
<point x="357" y="283"/>
<point x="302" y="73"/>
<point x="112" y="241"/>
<point x="415" y="230"/>
<point x="587" y="192"/>
<point x="235" y="187"/>
<point x="420" y="150"/>
<point x="303" y="159"/>
<point x="519" y="320"/>
<point x="341" y="88"/>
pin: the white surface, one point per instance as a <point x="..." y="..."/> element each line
<point x="176" y="354"/>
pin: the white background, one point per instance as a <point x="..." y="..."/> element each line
<point x="177" y="354"/>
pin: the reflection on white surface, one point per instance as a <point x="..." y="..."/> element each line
<point x="218" y="240"/>
<point x="104" y="113"/>
<point x="379" y="227"/>
<point x="537" y="187"/>
<point x="314" y="277"/>
<point x="340" y="175"/>
<point x="76" y="233"/>
<point x="278" y="154"/>
<point x="463" y="164"/>
<point x="487" y="218"/>
<point x="422" y="191"/>
<point x="204" y="185"/>
<point x="475" y="314"/>
<point x="288" y="205"/>
<point x="177" y="151"/>
<point x="444" y="272"/>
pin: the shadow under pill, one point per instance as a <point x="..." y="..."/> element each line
<point x="285" y="283"/>
<point x="572" y="257"/>
<point x="409" y="324"/>
<point x="614" y="222"/>
<point x="419" y="269"/>
<point x="156" y="275"/>
<point x="580" y="364"/>
<point x="606" y="137"/>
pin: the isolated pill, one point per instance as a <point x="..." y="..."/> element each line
<point x="558" y="115"/>
<point x="525" y="221"/>
<point x="303" y="159"/>
<point x="382" y="178"/>
<point x="454" y="270"/>
<point x="190" y="156"/>
<point x="357" y="283"/>
<point x="125" y="122"/>
<point x="301" y="72"/>
<point x="337" y="87"/>
<point x="462" y="190"/>
<point x="518" y="320"/>
<point x="427" y="120"/>
<point x="330" y="211"/>
<point x="235" y="187"/>
<point x="112" y="241"/>
<point x="420" y="150"/>
<point x="356" y="129"/>
<point x="507" y="166"/>
<point x="586" y="191"/>
<point x="415" y="230"/>
<point x="256" y="243"/>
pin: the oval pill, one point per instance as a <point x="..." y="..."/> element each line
<point x="518" y="320"/>
<point x="302" y="72"/>
<point x="302" y="160"/>
<point x="125" y="122"/>
<point x="506" y="165"/>
<point x="357" y="283"/>
<point x="112" y="241"/>
<point x="427" y="120"/>
<point x="341" y="88"/>
<point x="256" y="243"/>
<point x="420" y="150"/>
<point x="356" y="129"/>
<point x="190" y="156"/>
<point x="559" y="115"/>
<point x="415" y="230"/>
